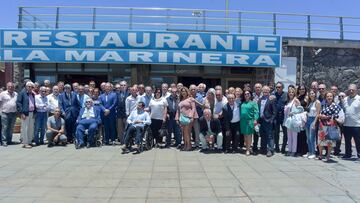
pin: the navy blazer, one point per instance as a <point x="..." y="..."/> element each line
<point x="96" y="112"/>
<point x="110" y="103"/>
<point x="270" y="110"/>
<point x="69" y="106"/>
<point x="120" y="107"/>
<point x="22" y="102"/>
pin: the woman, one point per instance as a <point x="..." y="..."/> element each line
<point x="210" y="100"/>
<point x="249" y="114"/>
<point x="292" y="103"/>
<point x="313" y="110"/>
<point x="331" y="115"/>
<point x="158" y="111"/>
<point x="185" y="116"/>
<point x="302" y="147"/>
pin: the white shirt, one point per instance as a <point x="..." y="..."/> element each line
<point x="236" y="114"/>
<point x="8" y="102"/>
<point x="130" y="104"/>
<point x="88" y="113"/>
<point x="219" y="105"/>
<point x="157" y="108"/>
<point x="262" y="107"/>
<point x="41" y="103"/>
<point x="53" y="102"/>
<point x="352" y="111"/>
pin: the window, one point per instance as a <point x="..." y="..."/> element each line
<point x="212" y="70"/>
<point x="44" y="67"/>
<point x="69" y="67"/>
<point x="96" y="67"/>
<point x="162" y="69"/>
<point x="187" y="69"/>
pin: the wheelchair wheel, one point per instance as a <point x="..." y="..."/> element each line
<point x="148" y="140"/>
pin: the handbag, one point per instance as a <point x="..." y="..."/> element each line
<point x="184" y="120"/>
<point x="333" y="133"/>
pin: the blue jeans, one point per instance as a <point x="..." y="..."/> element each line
<point x="138" y="130"/>
<point x="40" y="125"/>
<point x="310" y="135"/>
<point x="8" y="122"/>
<point x="173" y="127"/>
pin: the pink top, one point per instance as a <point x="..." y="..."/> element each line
<point x="187" y="107"/>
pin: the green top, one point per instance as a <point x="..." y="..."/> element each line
<point x="249" y="112"/>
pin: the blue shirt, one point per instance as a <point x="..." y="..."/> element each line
<point x="200" y="99"/>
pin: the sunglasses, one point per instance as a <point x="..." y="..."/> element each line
<point x="278" y="87"/>
<point x="88" y="102"/>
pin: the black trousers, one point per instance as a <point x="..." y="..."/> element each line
<point x="155" y="127"/>
<point x="277" y="135"/>
<point x="349" y="133"/>
<point x="233" y="136"/>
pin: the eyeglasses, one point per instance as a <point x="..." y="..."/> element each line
<point x="342" y="96"/>
<point x="302" y="89"/>
<point x="88" y="102"/>
<point x="321" y="88"/>
<point x="278" y="87"/>
<point x="247" y="94"/>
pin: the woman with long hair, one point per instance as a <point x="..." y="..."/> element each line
<point x="158" y="111"/>
<point x="313" y="110"/>
<point x="330" y="116"/>
<point x="292" y="103"/>
<point x="185" y="116"/>
<point x="249" y="115"/>
<point x="302" y="96"/>
<point x="210" y="100"/>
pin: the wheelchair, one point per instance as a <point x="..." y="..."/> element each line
<point x="98" y="137"/>
<point x="146" y="143"/>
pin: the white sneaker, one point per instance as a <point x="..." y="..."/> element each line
<point x="305" y="156"/>
<point x="311" y="156"/>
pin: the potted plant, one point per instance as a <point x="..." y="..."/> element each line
<point x="17" y="126"/>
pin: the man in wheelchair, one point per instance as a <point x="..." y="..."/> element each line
<point x="137" y="121"/>
<point x="89" y="119"/>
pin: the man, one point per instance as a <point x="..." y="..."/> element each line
<point x="102" y="87"/>
<point x="42" y="108"/>
<point x="92" y="84"/>
<point x="334" y="90"/>
<point x="53" y="99"/>
<point x="108" y="101"/>
<point x="352" y="121"/>
<point x="201" y="89"/>
<point x="26" y="106"/>
<point x="220" y="102"/>
<point x="268" y="113"/>
<point x="147" y="97"/>
<point x="315" y="87"/>
<point x="231" y="113"/>
<point x="131" y="101"/>
<point x="256" y="97"/>
<point x="8" y="113"/>
<point x="165" y="90"/>
<point x="87" y="90"/>
<point x="199" y="104"/>
<point x="89" y="119"/>
<point x="75" y="86"/>
<point x="121" y="110"/>
<point x="61" y="84"/>
<point x="136" y="121"/>
<point x="96" y="97"/>
<point x="173" y="126"/>
<point x="81" y="96"/>
<point x="141" y="89"/>
<point x="70" y="107"/>
<point x="210" y="128"/>
<point x="47" y="83"/>
<point x="281" y="99"/>
<point x="322" y="92"/>
<point x="55" y="129"/>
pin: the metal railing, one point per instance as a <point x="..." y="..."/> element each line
<point x="201" y="20"/>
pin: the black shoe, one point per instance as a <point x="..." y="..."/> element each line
<point x="42" y="142"/>
<point x="269" y="154"/>
<point x="346" y="157"/>
<point x="50" y="145"/>
<point x="4" y="144"/>
<point x="88" y="145"/>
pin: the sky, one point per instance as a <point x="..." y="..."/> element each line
<point x="9" y="8"/>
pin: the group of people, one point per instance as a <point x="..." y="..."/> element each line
<point x="196" y="117"/>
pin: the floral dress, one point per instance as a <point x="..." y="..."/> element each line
<point x="333" y="110"/>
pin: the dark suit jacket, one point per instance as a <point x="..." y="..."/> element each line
<point x="96" y="112"/>
<point x="270" y="110"/>
<point x="214" y="125"/>
<point x="120" y="107"/>
<point x="22" y="102"/>
<point x="228" y="115"/>
<point x="69" y="106"/>
<point x="171" y="111"/>
<point x="109" y="104"/>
